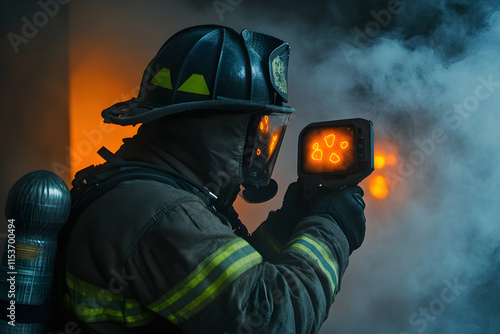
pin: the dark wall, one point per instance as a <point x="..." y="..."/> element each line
<point x="33" y="90"/>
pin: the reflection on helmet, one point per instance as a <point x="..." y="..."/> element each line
<point x="264" y="136"/>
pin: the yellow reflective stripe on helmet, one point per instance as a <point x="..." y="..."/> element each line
<point x="210" y="278"/>
<point x="91" y="303"/>
<point x="162" y="79"/>
<point x="314" y="249"/>
<point x="195" y="84"/>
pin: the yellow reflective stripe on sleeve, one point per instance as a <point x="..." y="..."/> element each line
<point x="314" y="249"/>
<point x="271" y="240"/>
<point x="209" y="279"/>
<point x="199" y="274"/>
<point x="91" y="303"/>
<point x="215" y="289"/>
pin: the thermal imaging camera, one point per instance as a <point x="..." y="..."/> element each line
<point x="334" y="154"/>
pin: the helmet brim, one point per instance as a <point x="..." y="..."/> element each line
<point x="132" y="112"/>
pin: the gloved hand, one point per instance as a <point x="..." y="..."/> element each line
<point x="346" y="208"/>
<point x="293" y="203"/>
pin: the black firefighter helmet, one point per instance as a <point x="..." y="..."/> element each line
<point x="212" y="67"/>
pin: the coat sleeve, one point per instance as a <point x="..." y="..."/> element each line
<point x="192" y="270"/>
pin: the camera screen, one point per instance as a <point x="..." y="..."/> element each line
<point x="328" y="149"/>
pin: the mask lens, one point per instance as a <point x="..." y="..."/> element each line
<point x="264" y="136"/>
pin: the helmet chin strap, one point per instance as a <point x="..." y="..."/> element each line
<point x="259" y="194"/>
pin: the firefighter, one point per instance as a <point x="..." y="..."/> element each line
<point x="167" y="253"/>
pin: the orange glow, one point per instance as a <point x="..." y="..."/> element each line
<point x="334" y="158"/>
<point x="334" y="142"/>
<point x="273" y="144"/>
<point x="385" y="162"/>
<point x="379" y="161"/>
<point x="317" y="153"/>
<point x="258" y="151"/>
<point x="391" y="159"/>
<point x="99" y="77"/>
<point x="264" y="124"/>
<point x="330" y="140"/>
<point x="378" y="186"/>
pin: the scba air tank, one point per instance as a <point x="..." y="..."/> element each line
<point x="37" y="207"/>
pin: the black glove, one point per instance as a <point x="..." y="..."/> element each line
<point x="346" y="208"/>
<point x="293" y="203"/>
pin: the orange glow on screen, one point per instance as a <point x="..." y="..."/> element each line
<point x="334" y="158"/>
<point x="327" y="150"/>
<point x="330" y="140"/>
<point x="317" y="153"/>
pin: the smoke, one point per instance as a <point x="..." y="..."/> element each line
<point x="427" y="74"/>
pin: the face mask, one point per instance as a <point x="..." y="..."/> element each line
<point x="264" y="136"/>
